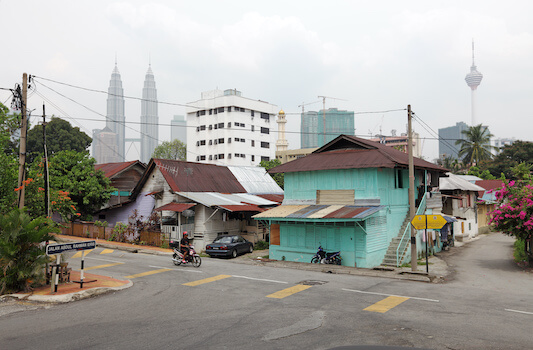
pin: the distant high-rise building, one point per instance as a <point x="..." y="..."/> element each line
<point x="473" y="79"/>
<point x="178" y="129"/>
<point x="501" y="142"/>
<point x="337" y="123"/>
<point x="149" y="117"/>
<point x="447" y="138"/>
<point x="227" y="129"/>
<point x="115" y="119"/>
<point x="105" y="147"/>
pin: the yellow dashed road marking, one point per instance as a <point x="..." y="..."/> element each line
<point x="289" y="291"/>
<point x="101" y="266"/>
<point x="386" y="304"/>
<point x="206" y="280"/>
<point x="107" y="251"/>
<point x="153" y="272"/>
<point x="78" y="254"/>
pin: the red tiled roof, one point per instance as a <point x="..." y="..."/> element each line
<point x="111" y="169"/>
<point x="350" y="152"/>
<point x="198" y="177"/>
<point x="179" y="207"/>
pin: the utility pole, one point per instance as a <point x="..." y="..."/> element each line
<point x="46" y="186"/>
<point x="412" y="209"/>
<point x="22" y="146"/>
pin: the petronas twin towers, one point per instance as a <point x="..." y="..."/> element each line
<point x="109" y="143"/>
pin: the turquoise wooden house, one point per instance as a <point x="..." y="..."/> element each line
<point x="351" y="195"/>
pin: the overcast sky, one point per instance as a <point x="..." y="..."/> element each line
<point x="376" y="55"/>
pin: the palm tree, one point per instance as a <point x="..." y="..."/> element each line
<point x="476" y="147"/>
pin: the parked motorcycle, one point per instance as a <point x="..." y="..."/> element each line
<point x="326" y="258"/>
<point x="192" y="257"/>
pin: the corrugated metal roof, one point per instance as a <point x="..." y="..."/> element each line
<point x="255" y="180"/>
<point x="210" y="199"/>
<point x="247" y="207"/>
<point x="350" y="152"/>
<point x="111" y="169"/>
<point x="198" y="177"/>
<point x="272" y="197"/>
<point x="179" y="207"/>
<point x="319" y="212"/>
<point x="454" y="182"/>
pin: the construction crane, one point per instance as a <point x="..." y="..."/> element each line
<point x="305" y="104"/>
<point x="324" y="111"/>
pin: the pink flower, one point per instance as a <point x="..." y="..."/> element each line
<point x="511" y="183"/>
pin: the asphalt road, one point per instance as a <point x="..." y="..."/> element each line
<point x="226" y="305"/>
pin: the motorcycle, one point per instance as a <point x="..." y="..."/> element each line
<point x="326" y="258"/>
<point x="192" y="257"/>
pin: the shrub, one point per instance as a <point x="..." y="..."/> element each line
<point x="22" y="254"/>
<point x="519" y="252"/>
<point x="261" y="245"/>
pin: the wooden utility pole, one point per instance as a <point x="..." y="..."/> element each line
<point x="22" y="146"/>
<point x="412" y="209"/>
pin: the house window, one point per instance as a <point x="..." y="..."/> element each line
<point x="266" y="159"/>
<point x="210" y="142"/>
<point x="221" y="156"/>
<point x="202" y="127"/>
<point x="253" y="158"/>
<point x="202" y="142"/>
<point x="229" y="109"/>
<point x="265" y="116"/>
<point x="229" y="139"/>
<point x="265" y="145"/>
<point x="229" y="155"/>
<point x="210" y="157"/>
<point x="221" y="125"/>
<point x="210" y="127"/>
<point x="253" y="128"/>
<point x="210" y="111"/>
<point x="399" y="178"/>
<point x="229" y="125"/>
<point x="197" y="158"/>
<point x="221" y="140"/>
<point x="252" y="113"/>
<point x="253" y="143"/>
<point x="202" y="157"/>
<point x="221" y="110"/>
<point x="265" y="131"/>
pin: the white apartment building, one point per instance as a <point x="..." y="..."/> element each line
<point x="225" y="128"/>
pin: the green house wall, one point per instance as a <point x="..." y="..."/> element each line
<point x="363" y="243"/>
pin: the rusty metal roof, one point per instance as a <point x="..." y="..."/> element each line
<point x="247" y="207"/>
<point x="173" y="206"/>
<point x="112" y="169"/>
<point x="350" y="152"/>
<point x="339" y="212"/>
<point x="198" y="177"/>
<point x="272" y="197"/>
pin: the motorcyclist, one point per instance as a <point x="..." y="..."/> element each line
<point x="184" y="246"/>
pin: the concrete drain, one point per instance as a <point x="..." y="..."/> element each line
<point x="312" y="283"/>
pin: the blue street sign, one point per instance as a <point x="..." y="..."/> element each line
<point x="53" y="249"/>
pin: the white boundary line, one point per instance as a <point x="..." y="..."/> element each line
<point x="389" y="295"/>
<point x="520" y="312"/>
<point x="174" y="269"/>
<point x="259" y="279"/>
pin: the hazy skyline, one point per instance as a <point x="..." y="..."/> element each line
<point x="377" y="56"/>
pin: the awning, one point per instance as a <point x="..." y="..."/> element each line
<point x="246" y="207"/>
<point x="152" y="193"/>
<point x="177" y="207"/>
<point x="449" y="219"/>
<point x="332" y="212"/>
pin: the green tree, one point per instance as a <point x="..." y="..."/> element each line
<point x="509" y="157"/>
<point x="485" y="174"/>
<point x="477" y="146"/>
<point x="175" y="150"/>
<point x="22" y="256"/>
<point x="9" y="124"/>
<point x="279" y="178"/>
<point x="514" y="215"/>
<point x="450" y="163"/>
<point x="60" y="136"/>
<point x="73" y="173"/>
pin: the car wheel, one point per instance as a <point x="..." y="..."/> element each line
<point x="234" y="253"/>
<point x="251" y="249"/>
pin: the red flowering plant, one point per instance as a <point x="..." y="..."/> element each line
<point x="514" y="214"/>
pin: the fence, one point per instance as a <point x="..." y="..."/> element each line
<point x="91" y="231"/>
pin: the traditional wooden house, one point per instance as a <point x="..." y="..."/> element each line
<point x="205" y="200"/>
<point x="486" y="202"/>
<point x="124" y="177"/>
<point x="350" y="195"/>
<point x="459" y="198"/>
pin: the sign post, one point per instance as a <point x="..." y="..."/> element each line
<point x="423" y="222"/>
<point x="56" y="249"/>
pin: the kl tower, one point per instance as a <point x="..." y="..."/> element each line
<point x="473" y="79"/>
